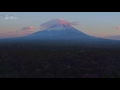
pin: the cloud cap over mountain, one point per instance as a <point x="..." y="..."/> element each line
<point x="56" y="21"/>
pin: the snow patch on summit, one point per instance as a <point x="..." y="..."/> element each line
<point x="59" y="27"/>
<point x="56" y="28"/>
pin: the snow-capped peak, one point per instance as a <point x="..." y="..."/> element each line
<point x="50" y="23"/>
<point x="60" y="26"/>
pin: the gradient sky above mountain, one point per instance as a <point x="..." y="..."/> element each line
<point x="99" y="24"/>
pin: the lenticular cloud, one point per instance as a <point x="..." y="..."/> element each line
<point x="56" y="21"/>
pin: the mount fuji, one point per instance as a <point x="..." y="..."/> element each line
<point x="59" y="29"/>
<point x="59" y="32"/>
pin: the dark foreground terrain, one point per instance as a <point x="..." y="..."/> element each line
<point x="38" y="60"/>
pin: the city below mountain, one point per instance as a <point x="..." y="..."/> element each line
<point x="59" y="50"/>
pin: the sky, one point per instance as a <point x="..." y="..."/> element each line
<point x="100" y="24"/>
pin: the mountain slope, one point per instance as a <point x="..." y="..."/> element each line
<point x="117" y="37"/>
<point x="59" y="31"/>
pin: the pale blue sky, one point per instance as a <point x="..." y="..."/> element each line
<point x="93" y="23"/>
